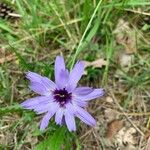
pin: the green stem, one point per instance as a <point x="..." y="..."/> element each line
<point x="83" y="36"/>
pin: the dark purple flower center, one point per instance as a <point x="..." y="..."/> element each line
<point x="62" y="96"/>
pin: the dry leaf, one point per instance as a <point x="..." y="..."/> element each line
<point x="148" y="144"/>
<point x="125" y="36"/>
<point x="128" y="147"/>
<point x="6" y="138"/>
<point x="147" y="135"/>
<point x="96" y="64"/>
<point x="113" y="128"/>
<point x="119" y="136"/>
<point x="125" y="136"/>
<point x="110" y="115"/>
<point x="7" y="58"/>
<point x="125" y="60"/>
<point x="128" y="136"/>
<point x="109" y="99"/>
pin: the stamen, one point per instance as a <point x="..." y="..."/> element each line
<point x="62" y="96"/>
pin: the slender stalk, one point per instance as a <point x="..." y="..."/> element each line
<point x="83" y="36"/>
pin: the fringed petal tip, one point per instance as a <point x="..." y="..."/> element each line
<point x="102" y="91"/>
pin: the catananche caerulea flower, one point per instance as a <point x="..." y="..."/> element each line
<point x="63" y="98"/>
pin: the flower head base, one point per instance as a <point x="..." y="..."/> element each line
<point x="63" y="98"/>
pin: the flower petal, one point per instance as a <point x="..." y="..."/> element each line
<point x="75" y="75"/>
<point x="59" y="66"/>
<point x="40" y="104"/>
<point x="43" y="109"/>
<point x="85" y="116"/>
<point x="63" y="79"/>
<point x="47" y="117"/>
<point x="70" y="108"/>
<point x="51" y="106"/>
<point x="32" y="102"/>
<point x="33" y="77"/>
<point x="80" y="102"/>
<point x="95" y="94"/>
<point x="70" y="121"/>
<point x="59" y="116"/>
<point x="83" y="90"/>
<point x="48" y="83"/>
<point x="39" y="84"/>
<point x="45" y="120"/>
<point x="38" y="88"/>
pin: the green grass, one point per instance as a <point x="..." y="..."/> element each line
<point x="77" y="30"/>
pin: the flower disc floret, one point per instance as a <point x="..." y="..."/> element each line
<point x="62" y="96"/>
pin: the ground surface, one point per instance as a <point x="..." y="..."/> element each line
<point x="112" y="37"/>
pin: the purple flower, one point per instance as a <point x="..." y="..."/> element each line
<point x="63" y="98"/>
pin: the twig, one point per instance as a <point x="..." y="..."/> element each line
<point x="135" y="114"/>
<point x="139" y="12"/>
<point x="96" y="138"/>
<point x="88" y="132"/>
<point x="122" y="110"/>
<point x="14" y="15"/>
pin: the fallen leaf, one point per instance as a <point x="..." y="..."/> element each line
<point x="7" y="58"/>
<point x="125" y="60"/>
<point x="128" y="147"/>
<point x="147" y="135"/>
<point x="125" y="36"/>
<point x="148" y="144"/>
<point x="113" y="128"/>
<point x="110" y="115"/>
<point x="96" y="64"/>
<point x="109" y="99"/>
<point x="126" y="136"/>
<point x="6" y="138"/>
<point x="119" y="136"/>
